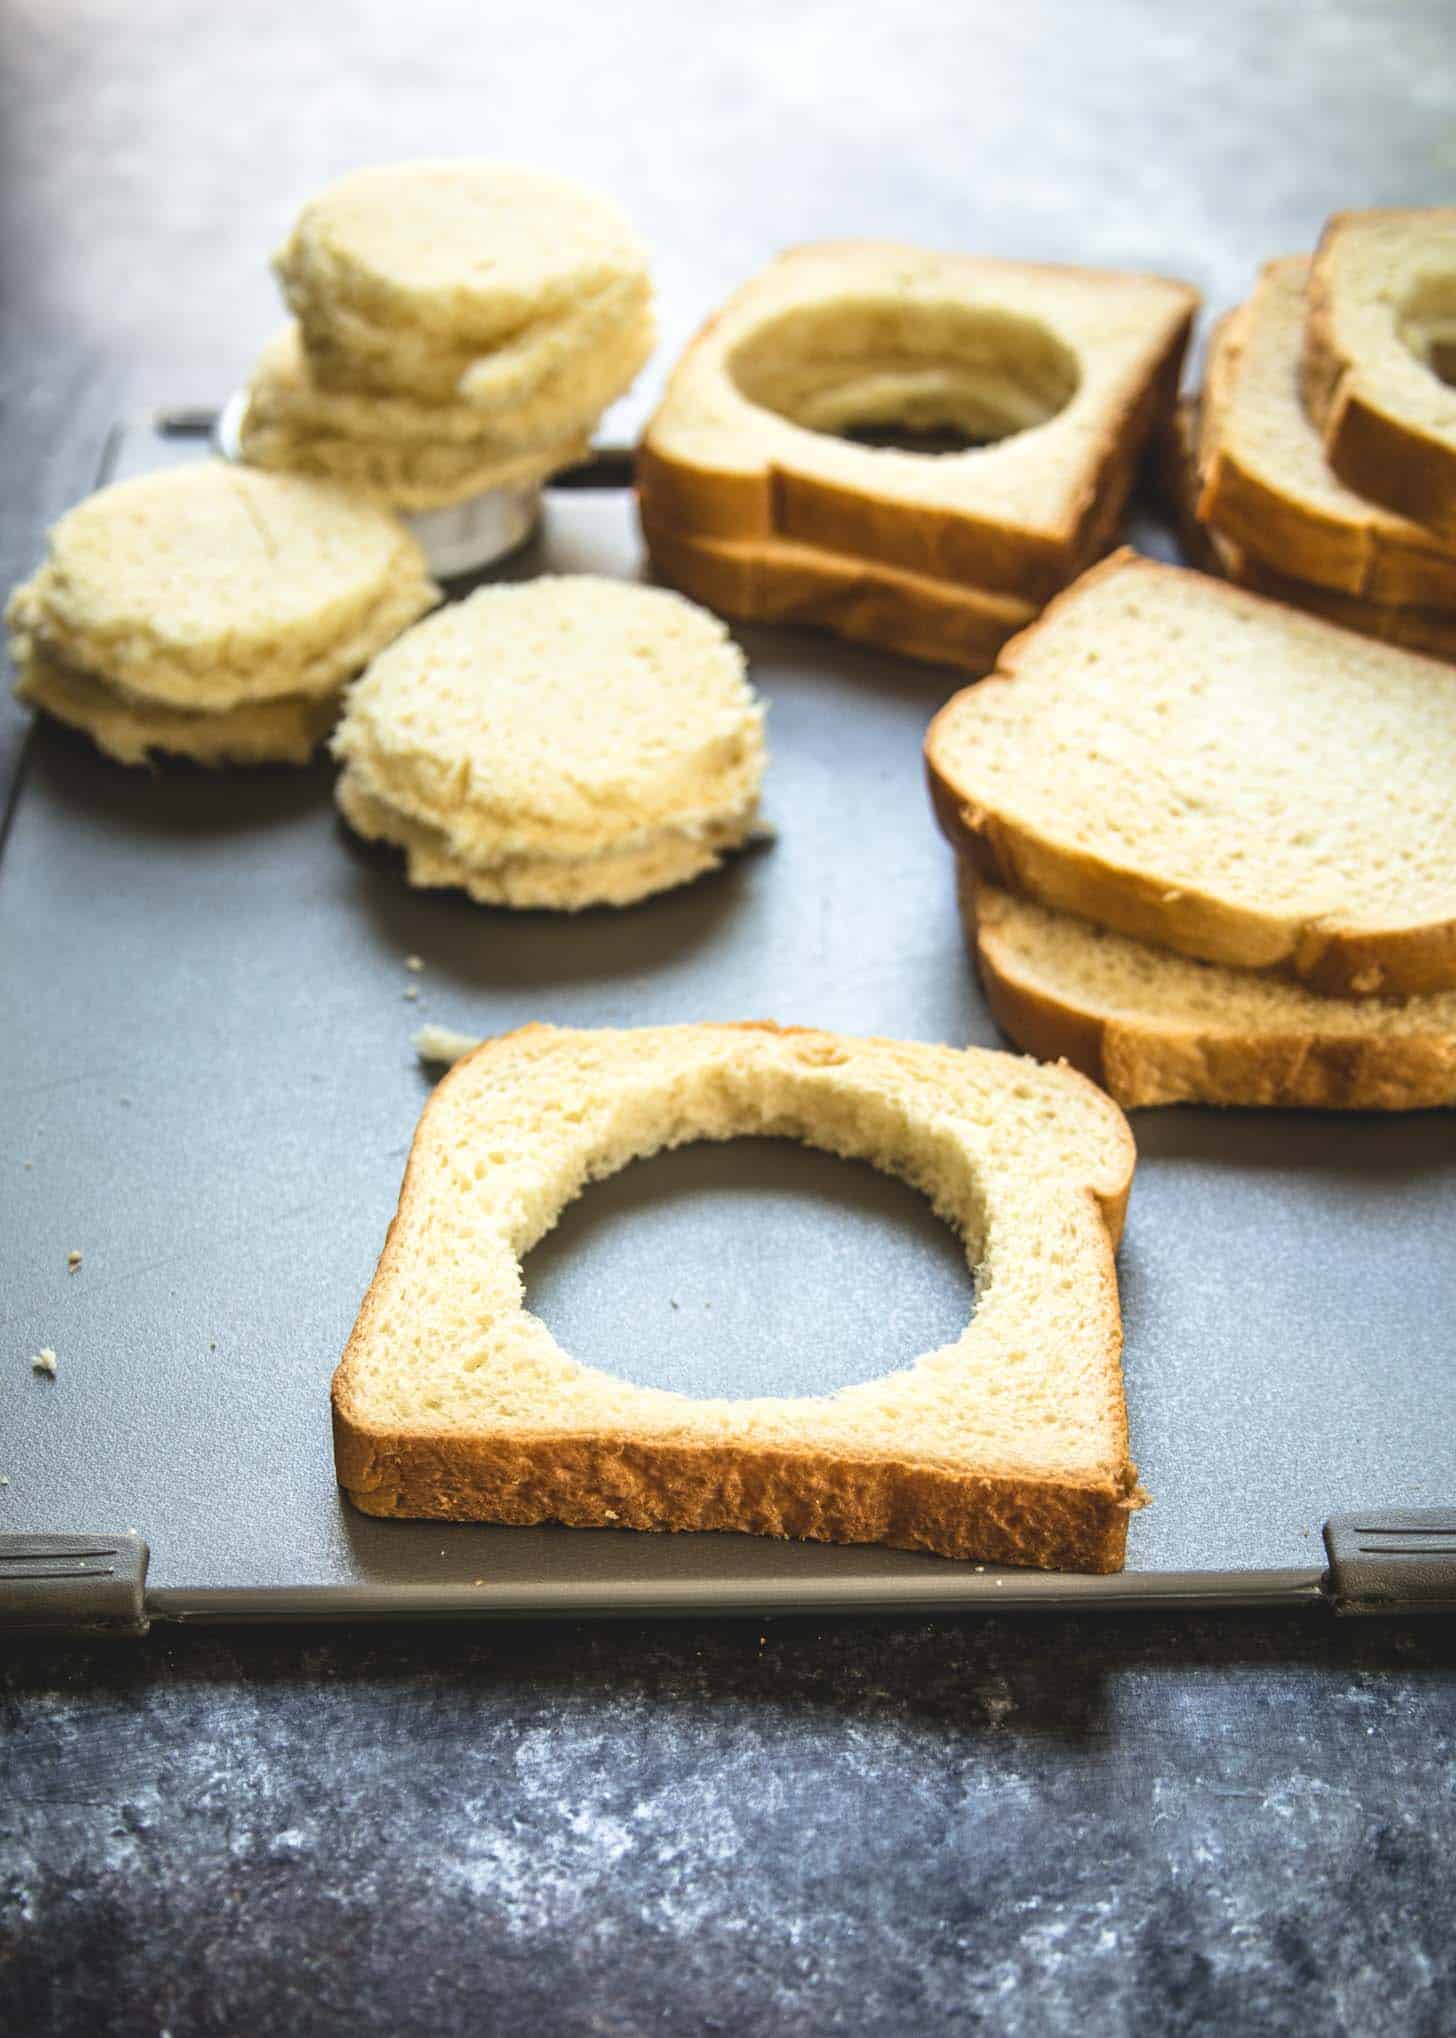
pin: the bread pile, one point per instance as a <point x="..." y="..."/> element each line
<point x="755" y="501"/>
<point x="1210" y="847"/>
<point x="1320" y="467"/>
<point x="212" y="612"/>
<point x="565" y="742"/>
<point x="458" y="326"/>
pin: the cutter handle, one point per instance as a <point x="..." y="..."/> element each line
<point x="1392" y="1560"/>
<point x="96" y="1583"/>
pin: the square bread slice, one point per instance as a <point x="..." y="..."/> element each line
<point x="1380" y="357"/>
<point x="1266" y="482"/>
<point x="1153" y="1027"/>
<point x="1190" y="764"/>
<point x="452" y="1401"/>
<point x="774" y="580"/>
<point x="1065" y="370"/>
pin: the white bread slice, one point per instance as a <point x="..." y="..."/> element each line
<point x="284" y="393"/>
<point x="1010" y="1445"/>
<point x="774" y="580"/>
<point x="1428" y="630"/>
<point x="1158" y="1028"/>
<point x="1380" y="357"/>
<point x="466" y="255"/>
<point x="283" y="730"/>
<point x="212" y="586"/>
<point x="567" y="735"/>
<point x="1195" y="766"/>
<point x="1266" y="482"/>
<point x="1077" y="365"/>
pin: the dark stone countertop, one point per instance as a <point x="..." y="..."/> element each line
<point x="1032" y="1826"/>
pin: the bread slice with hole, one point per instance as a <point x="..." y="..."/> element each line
<point x="452" y="1401"/>
<point x="773" y="580"/>
<point x="1380" y="357"/>
<point x="1190" y="764"/>
<point x="1266" y="483"/>
<point x="1066" y="370"/>
<point x="1153" y="1027"/>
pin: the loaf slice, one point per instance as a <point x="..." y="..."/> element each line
<point x="1266" y="482"/>
<point x="1380" y="357"/>
<point x="1066" y="371"/>
<point x="775" y="580"/>
<point x="1010" y="1445"/>
<point x="1158" y="1028"/>
<point x="1190" y="764"/>
<point x="1428" y="630"/>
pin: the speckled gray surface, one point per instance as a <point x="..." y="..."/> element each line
<point x="853" y="1827"/>
<point x="1142" y="1826"/>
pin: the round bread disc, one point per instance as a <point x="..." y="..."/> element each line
<point x="207" y="586"/>
<point x="565" y="720"/>
<point x="470" y="250"/>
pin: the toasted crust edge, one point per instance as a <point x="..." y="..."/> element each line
<point x="620" y="1480"/>
<point x="1142" y="1065"/>
<point x="1297" y="538"/>
<point x="1370" y="445"/>
<point x="1340" y="961"/>
<point x="934" y="621"/>
<point x="935" y="539"/>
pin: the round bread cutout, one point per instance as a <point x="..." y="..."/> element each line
<point x="565" y="742"/>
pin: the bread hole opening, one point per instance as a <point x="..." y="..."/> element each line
<point x="1427" y="325"/>
<point x="921" y="377"/>
<point x="749" y="1268"/>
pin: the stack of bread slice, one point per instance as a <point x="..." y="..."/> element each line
<point x="1209" y="847"/>
<point x="755" y="499"/>
<point x="459" y="326"/>
<point x="1311" y="470"/>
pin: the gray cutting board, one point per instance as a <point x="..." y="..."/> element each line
<point x="210" y="1091"/>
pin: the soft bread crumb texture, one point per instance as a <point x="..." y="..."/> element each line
<point x="1186" y="762"/>
<point x="452" y="1399"/>
<point x="1159" y="1028"/>
<point x="1066" y="370"/>
<point x="556" y="736"/>
<point x="469" y="250"/>
<point x="1378" y="357"/>
<point x="132" y="730"/>
<point x="212" y="586"/>
<point x="1267" y="483"/>
<point x="45" y="1361"/>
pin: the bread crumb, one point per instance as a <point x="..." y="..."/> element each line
<point x="4" y="1479"/>
<point x="442" y="1044"/>
<point x="44" y="1362"/>
<point x="30" y="1164"/>
<point x="610" y="1513"/>
<point x="415" y="963"/>
<point x="412" y="990"/>
<point x="73" y="1260"/>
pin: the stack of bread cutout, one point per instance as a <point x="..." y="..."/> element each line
<point x="756" y="499"/>
<point x="458" y="327"/>
<point x="1320" y="465"/>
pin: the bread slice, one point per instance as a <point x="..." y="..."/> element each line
<point x="1266" y="483"/>
<point x="1157" y="1028"/>
<point x="212" y="587"/>
<point x="1380" y="357"/>
<point x="1198" y="767"/>
<point x="774" y="580"/>
<point x="287" y="729"/>
<point x="1428" y="630"/>
<point x="453" y="1401"/>
<point x="564" y="741"/>
<point x="1067" y="370"/>
<point x="399" y="265"/>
